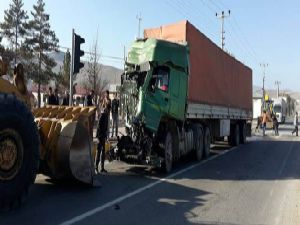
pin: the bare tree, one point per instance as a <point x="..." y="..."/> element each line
<point x="93" y="74"/>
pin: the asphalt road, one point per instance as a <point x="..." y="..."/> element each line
<point x="255" y="183"/>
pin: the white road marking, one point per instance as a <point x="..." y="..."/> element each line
<point x="137" y="191"/>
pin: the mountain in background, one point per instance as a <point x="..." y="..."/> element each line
<point x="257" y="92"/>
<point x="109" y="73"/>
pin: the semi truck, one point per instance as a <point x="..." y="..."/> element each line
<point x="280" y="109"/>
<point x="182" y="92"/>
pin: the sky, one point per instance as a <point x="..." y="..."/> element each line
<point x="257" y="31"/>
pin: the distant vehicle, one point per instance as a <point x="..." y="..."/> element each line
<point x="280" y="109"/>
<point x="257" y="107"/>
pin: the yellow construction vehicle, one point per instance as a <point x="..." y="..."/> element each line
<point x="53" y="140"/>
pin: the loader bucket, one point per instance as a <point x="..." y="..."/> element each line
<point x="66" y="142"/>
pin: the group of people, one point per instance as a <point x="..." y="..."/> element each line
<point x="263" y="122"/>
<point x="53" y="98"/>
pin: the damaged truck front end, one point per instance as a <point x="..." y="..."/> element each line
<point x="136" y="145"/>
<point x="153" y="91"/>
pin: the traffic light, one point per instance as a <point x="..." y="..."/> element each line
<point x="78" y="53"/>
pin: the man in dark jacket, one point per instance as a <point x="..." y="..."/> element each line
<point x="66" y="99"/>
<point x="275" y="125"/>
<point x="102" y="136"/>
<point x="51" y="97"/>
<point x="89" y="98"/>
<point x="115" y="115"/>
<point x="56" y="101"/>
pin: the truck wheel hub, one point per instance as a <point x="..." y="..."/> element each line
<point x="11" y="154"/>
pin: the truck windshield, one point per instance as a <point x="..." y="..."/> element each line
<point x="277" y="108"/>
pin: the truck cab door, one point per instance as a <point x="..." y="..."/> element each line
<point x="157" y="98"/>
<point x="178" y="93"/>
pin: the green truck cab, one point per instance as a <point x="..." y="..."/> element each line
<point x="158" y="71"/>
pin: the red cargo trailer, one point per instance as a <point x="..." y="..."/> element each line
<point x="216" y="78"/>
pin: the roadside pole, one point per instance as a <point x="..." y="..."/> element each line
<point x="71" y="70"/>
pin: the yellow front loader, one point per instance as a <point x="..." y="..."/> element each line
<point x="54" y="140"/>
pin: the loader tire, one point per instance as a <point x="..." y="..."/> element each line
<point x="19" y="151"/>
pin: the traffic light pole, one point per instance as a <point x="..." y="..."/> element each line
<point x="71" y="70"/>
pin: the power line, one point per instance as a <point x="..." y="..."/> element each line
<point x="188" y="10"/>
<point x="238" y="31"/>
<point x="201" y="15"/>
<point x="217" y="6"/>
<point x="174" y="6"/>
<point x="99" y="55"/>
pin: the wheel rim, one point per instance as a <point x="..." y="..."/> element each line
<point x="11" y="154"/>
<point x="168" y="153"/>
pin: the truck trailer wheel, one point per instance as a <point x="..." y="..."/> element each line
<point x="234" y="139"/>
<point x="198" y="141"/>
<point x="243" y="133"/>
<point x="206" y="142"/>
<point x="168" y="157"/>
<point x="19" y="151"/>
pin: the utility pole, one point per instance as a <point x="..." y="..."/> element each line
<point x="124" y="57"/>
<point x="277" y="83"/>
<point x="264" y="66"/>
<point x="222" y="16"/>
<point x="139" y="18"/>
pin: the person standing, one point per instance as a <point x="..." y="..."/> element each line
<point x="56" y="97"/>
<point x="102" y="137"/>
<point x="51" y="97"/>
<point x="275" y="125"/>
<point x="295" y="124"/>
<point x="264" y="122"/>
<point x="115" y="115"/>
<point x="106" y="105"/>
<point x="89" y="98"/>
<point x="66" y="99"/>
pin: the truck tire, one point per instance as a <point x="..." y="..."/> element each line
<point x="206" y="142"/>
<point x="19" y="151"/>
<point x="198" y="141"/>
<point x="168" y="154"/>
<point x="234" y="139"/>
<point x="243" y="133"/>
